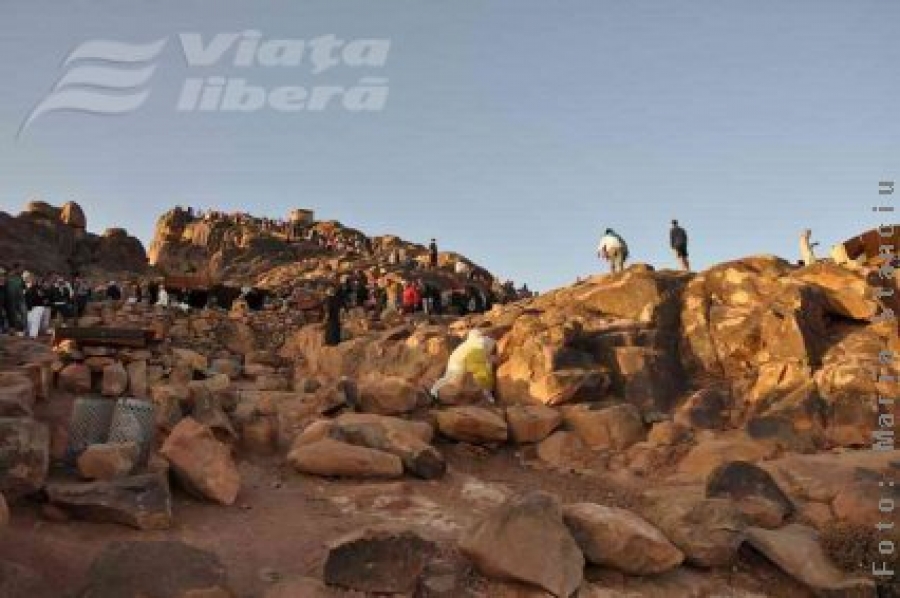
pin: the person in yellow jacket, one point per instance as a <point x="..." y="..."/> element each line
<point x="473" y="356"/>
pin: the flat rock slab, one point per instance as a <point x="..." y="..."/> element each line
<point x="378" y="560"/>
<point x="797" y="551"/>
<point x="142" y="502"/>
<point x="166" y="569"/>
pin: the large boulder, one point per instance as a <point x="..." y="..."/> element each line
<point x="142" y="502"/>
<point x="390" y="395"/>
<point x="708" y="531"/>
<point x="329" y="457"/>
<point x="378" y="560"/>
<point x="745" y="482"/>
<point x="617" y="538"/>
<point x="532" y="423"/>
<point x="796" y="550"/>
<point x="477" y="425"/>
<point x="612" y="428"/>
<point x="24" y="456"/>
<point x="161" y="569"/>
<point x="202" y="464"/>
<point x="847" y="293"/>
<point x="108" y="461"/>
<point x="419" y="458"/>
<point x="73" y="215"/>
<point x="526" y="540"/>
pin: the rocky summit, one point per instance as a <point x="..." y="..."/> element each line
<point x="644" y="433"/>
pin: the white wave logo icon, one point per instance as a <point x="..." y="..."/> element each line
<point x="114" y="86"/>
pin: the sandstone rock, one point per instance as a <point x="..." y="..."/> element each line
<point x="476" y="425"/>
<point x="388" y="395"/>
<point x="163" y="569"/>
<point x="24" y="456"/>
<point x="526" y="540"/>
<point x="739" y="480"/>
<point x="76" y="378"/>
<point x="667" y="433"/>
<point x="620" y="539"/>
<point x="17" y="395"/>
<point x="115" y="380"/>
<point x="708" y="531"/>
<point x="706" y="409"/>
<point x="565" y="451"/>
<point x="378" y="560"/>
<point x="229" y="367"/>
<point x="138" y="385"/>
<point x="142" y="502"/>
<point x="73" y="215"/>
<point x="648" y="379"/>
<point x="797" y="551"/>
<point x="419" y="458"/>
<point x="846" y="292"/>
<point x="711" y="453"/>
<point x="108" y="461"/>
<point x="532" y="423"/>
<point x="260" y="435"/>
<point x="202" y="463"/>
<point x="328" y="457"/>
<point x="613" y="428"/>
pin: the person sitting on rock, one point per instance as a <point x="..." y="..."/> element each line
<point x="613" y="249"/>
<point x="474" y="357"/>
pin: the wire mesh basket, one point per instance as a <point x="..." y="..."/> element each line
<point x="133" y="421"/>
<point x="91" y="418"/>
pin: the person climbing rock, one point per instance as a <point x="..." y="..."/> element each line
<point x="613" y="249"/>
<point x="473" y="356"/>
<point x="678" y="240"/>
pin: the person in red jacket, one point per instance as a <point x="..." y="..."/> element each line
<point x="411" y="298"/>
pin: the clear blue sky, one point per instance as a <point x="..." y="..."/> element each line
<point x="515" y="131"/>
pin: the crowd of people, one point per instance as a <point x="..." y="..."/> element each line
<point x="30" y="302"/>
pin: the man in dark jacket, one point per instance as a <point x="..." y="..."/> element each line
<point x="678" y="240"/>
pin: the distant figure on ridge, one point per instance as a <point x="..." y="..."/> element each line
<point x="807" y="255"/>
<point x="433" y="255"/>
<point x="613" y="249"/>
<point x="333" y="305"/>
<point x="678" y="240"/>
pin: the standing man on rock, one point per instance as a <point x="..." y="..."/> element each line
<point x="613" y="249"/>
<point x="334" y="304"/>
<point x="433" y="255"/>
<point x="678" y="240"/>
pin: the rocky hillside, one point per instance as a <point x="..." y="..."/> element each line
<point x="45" y="239"/>
<point x="242" y="250"/>
<point x="703" y="434"/>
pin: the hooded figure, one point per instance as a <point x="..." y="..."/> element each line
<point x="473" y="356"/>
<point x="614" y="249"/>
<point x="806" y="248"/>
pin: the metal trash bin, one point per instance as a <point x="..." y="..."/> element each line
<point x="134" y="421"/>
<point x="91" y="418"/>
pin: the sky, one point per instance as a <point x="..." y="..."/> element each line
<point x="513" y="131"/>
